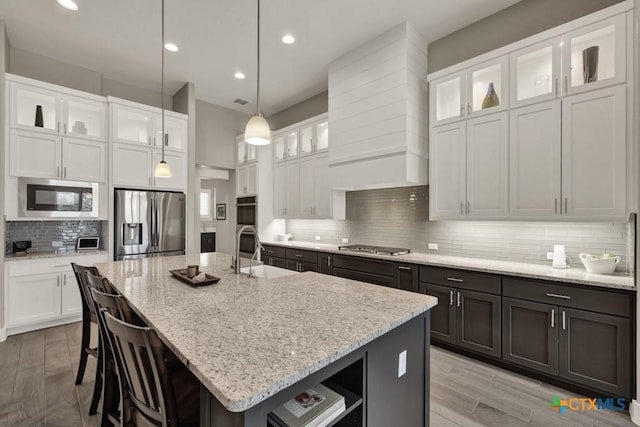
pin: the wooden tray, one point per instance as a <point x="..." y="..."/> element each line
<point x="182" y="276"/>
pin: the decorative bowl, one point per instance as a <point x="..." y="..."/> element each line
<point x="599" y="265"/>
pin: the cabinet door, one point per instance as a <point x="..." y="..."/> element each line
<point x="292" y="265"/>
<point x="34" y="298"/>
<point x="322" y="135"/>
<point x="530" y="334"/>
<point x="279" y="149"/>
<point x="280" y="190"/>
<point x="276" y="262"/>
<point x="307" y="186"/>
<point x="595" y="350"/>
<point x="175" y="130"/>
<point x="252" y="179"/>
<point x="478" y="322"/>
<point x="535" y="150"/>
<point x="207" y="242"/>
<point x="242" y="181"/>
<point x="322" y="204"/>
<point x="307" y="145"/>
<point x="176" y="161"/>
<point x="448" y="99"/>
<point x="443" y="315"/>
<point x="71" y="302"/>
<point x="84" y="118"/>
<point x="293" y="188"/>
<point x="594" y="154"/>
<point x="325" y="261"/>
<point x="447" y="169"/>
<point x="83" y="160"/>
<point x="25" y="99"/>
<point x="406" y="277"/>
<point x="488" y="87"/>
<point x="35" y="155"/>
<point x="535" y="73"/>
<point x="361" y="276"/>
<point x="291" y="144"/>
<point x="488" y="166"/>
<point x="131" y="165"/>
<point x="131" y="125"/>
<point x="605" y="65"/>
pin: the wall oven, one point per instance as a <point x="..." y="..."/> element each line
<point x="49" y="198"/>
<point x="246" y="210"/>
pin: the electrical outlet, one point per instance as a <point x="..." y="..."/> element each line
<point x="345" y="240"/>
<point x="402" y="363"/>
<point x="317" y="237"/>
<point x="549" y="255"/>
<point x="57" y="244"/>
<point x="433" y="246"/>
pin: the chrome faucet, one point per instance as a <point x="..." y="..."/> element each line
<point x="258" y="246"/>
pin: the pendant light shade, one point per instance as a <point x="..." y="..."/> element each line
<point x="257" y="131"/>
<point x="162" y="169"/>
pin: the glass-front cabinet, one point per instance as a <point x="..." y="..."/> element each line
<point x="247" y="153"/>
<point x="535" y="73"/>
<point x="279" y="147"/>
<point x="131" y="125"/>
<point x="291" y="144"/>
<point x="479" y="90"/>
<point x="306" y="138"/>
<point x="174" y="128"/>
<point x="314" y="137"/>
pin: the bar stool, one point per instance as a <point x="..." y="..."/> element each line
<point x="88" y="317"/>
<point x="151" y="395"/>
<point x="117" y="306"/>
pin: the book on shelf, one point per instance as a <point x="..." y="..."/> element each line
<point x="315" y="407"/>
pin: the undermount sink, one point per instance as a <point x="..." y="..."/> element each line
<point x="267" y="271"/>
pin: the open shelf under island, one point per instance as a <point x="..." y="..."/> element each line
<point x="256" y="343"/>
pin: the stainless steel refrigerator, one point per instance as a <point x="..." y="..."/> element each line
<point x="149" y="223"/>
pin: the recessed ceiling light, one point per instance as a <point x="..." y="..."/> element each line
<point x="68" y="4"/>
<point x="288" y="39"/>
<point x="239" y="75"/>
<point x="171" y="47"/>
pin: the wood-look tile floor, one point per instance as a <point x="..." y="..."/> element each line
<point x="37" y="374"/>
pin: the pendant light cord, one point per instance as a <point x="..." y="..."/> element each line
<point x="258" y="64"/>
<point x="162" y="83"/>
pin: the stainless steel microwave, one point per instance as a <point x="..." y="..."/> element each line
<point x="49" y="198"/>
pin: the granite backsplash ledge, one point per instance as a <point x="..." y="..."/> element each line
<point x="42" y="233"/>
<point x="399" y="217"/>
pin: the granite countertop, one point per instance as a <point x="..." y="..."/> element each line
<point x="248" y="338"/>
<point x="575" y="275"/>
<point x="52" y="254"/>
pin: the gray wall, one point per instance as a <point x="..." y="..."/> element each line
<point x="53" y="71"/>
<point x="4" y="65"/>
<point x="216" y="130"/>
<point x="509" y="25"/>
<point x="308" y="108"/>
<point x="225" y="229"/>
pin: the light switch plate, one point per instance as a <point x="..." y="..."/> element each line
<point x="56" y="244"/>
<point x="549" y="255"/>
<point x="317" y="237"/>
<point x="402" y="363"/>
<point x="345" y="240"/>
<point x="433" y="246"/>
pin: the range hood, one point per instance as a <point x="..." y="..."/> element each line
<point x="378" y="113"/>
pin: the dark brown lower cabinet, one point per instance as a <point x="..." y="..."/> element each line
<point x="530" y="334"/>
<point x="325" y="264"/>
<point x="443" y="315"/>
<point x="301" y="266"/>
<point x="406" y="277"/>
<point x="274" y="261"/>
<point x="361" y="276"/>
<point x="478" y="322"/>
<point x="595" y="350"/>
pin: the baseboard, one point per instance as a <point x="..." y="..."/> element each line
<point x="634" y="411"/>
<point x="3" y="334"/>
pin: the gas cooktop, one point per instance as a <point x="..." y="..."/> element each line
<point x="381" y="250"/>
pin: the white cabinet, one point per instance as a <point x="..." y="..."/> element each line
<point x="304" y="138"/>
<point x="34" y="298"/>
<point x="131" y="125"/>
<point x="594" y="154"/>
<point x="177" y="163"/>
<point x="470" y="169"/>
<point x="247" y="180"/>
<point x="279" y="193"/>
<point x="466" y="94"/>
<point x="70" y="298"/>
<point x="64" y="111"/>
<point x="175" y="130"/>
<point x="246" y="153"/>
<point x="315" y="195"/>
<point x="131" y="165"/>
<point x="293" y="188"/>
<point x="43" y="155"/>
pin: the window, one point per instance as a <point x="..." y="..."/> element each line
<point x="205" y="204"/>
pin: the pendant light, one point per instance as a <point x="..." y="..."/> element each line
<point x="257" y="131"/>
<point x="162" y="169"/>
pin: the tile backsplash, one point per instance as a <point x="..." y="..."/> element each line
<point x="399" y="217"/>
<point x="42" y="233"/>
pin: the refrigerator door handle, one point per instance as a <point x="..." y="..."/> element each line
<point x="152" y="226"/>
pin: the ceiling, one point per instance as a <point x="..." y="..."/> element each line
<point x="121" y="39"/>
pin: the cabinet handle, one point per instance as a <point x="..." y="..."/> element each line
<point x="557" y="86"/>
<point x="269" y="251"/>
<point x="461" y="110"/>
<point x="555" y="202"/>
<point x="58" y="281"/>
<point x="402" y="267"/>
<point x="450" y="297"/>
<point x="564" y="320"/>
<point x="65" y="128"/>
<point x="329" y="261"/>
<point x="553" y="317"/>
<point x="458" y="299"/>
<point x="299" y="256"/>
<point x="58" y="127"/>
<point x="64" y="280"/>
<point x="65" y="171"/>
<point x="461" y="208"/>
<point x="468" y="207"/>
<point x="58" y="172"/>
<point x="559" y="296"/>
<point x="454" y="279"/>
<point x="468" y="109"/>
<point x="60" y="266"/>
<point x="566" y="84"/>
<point x="566" y="201"/>
<point x="166" y="139"/>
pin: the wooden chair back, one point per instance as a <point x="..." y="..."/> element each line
<point x="144" y="376"/>
<point x="100" y="283"/>
<point x="81" y="278"/>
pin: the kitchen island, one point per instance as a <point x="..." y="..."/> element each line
<point x="256" y="343"/>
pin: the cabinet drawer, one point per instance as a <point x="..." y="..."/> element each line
<point x="367" y="265"/>
<point x="609" y="302"/>
<point x="301" y="266"/>
<point x="479" y="282"/>
<point x="276" y="251"/>
<point x="360" y="276"/>
<point x="28" y="267"/>
<point x="274" y="261"/>
<point x="301" y="255"/>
